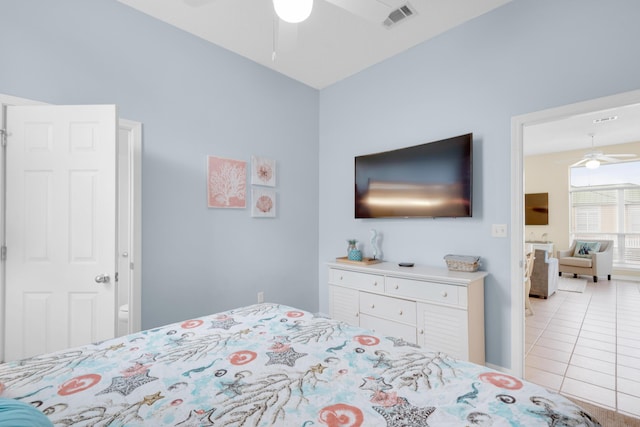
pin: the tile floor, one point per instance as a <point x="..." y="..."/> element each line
<point x="587" y="345"/>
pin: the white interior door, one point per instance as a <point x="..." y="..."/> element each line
<point x="61" y="227"/>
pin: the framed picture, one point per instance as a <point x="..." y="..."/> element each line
<point x="226" y="183"/>
<point x="263" y="171"/>
<point x="263" y="202"/>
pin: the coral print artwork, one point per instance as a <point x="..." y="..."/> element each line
<point x="226" y="183"/>
<point x="263" y="202"/>
<point x="263" y="171"/>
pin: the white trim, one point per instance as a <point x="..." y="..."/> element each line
<point x="499" y="368"/>
<point x="626" y="278"/>
<point x="518" y="124"/>
<point x="14" y="100"/>
<point x="135" y="199"/>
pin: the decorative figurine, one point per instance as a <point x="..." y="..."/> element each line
<point x="374" y="244"/>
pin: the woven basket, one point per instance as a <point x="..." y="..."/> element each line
<point x="462" y="262"/>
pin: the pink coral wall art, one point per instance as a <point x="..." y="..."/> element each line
<point x="263" y="202"/>
<point x="226" y="183"/>
<point x="263" y="171"/>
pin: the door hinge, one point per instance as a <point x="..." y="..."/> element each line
<point x="3" y="137"/>
<point x="116" y="276"/>
<point x="3" y="253"/>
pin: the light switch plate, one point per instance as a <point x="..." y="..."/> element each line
<point x="499" y="230"/>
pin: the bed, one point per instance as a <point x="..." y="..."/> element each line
<point x="273" y="365"/>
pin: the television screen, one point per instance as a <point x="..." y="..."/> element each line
<point x="424" y="181"/>
<point x="536" y="209"/>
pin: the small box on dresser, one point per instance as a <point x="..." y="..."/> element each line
<point x="436" y="308"/>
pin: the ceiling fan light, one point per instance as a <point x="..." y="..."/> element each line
<point x="293" y="11"/>
<point x="592" y="164"/>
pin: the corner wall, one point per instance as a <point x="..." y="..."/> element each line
<point x="194" y="99"/>
<point x="526" y="56"/>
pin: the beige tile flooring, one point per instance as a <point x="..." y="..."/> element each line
<point x="587" y="345"/>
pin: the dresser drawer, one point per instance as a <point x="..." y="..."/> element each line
<point x="395" y="309"/>
<point x="352" y="279"/>
<point x="428" y="291"/>
<point x="387" y="328"/>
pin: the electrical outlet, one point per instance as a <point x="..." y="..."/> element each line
<point x="260" y="296"/>
<point x="499" y="230"/>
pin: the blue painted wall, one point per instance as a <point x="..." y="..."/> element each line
<point x="194" y="99"/>
<point x="526" y="56"/>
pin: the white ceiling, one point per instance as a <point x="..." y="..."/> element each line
<point x="335" y="43"/>
<point x="329" y="46"/>
<point x="574" y="132"/>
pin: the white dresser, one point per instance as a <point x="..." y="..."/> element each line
<point x="436" y="308"/>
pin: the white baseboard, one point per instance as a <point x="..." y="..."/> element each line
<point x="625" y="277"/>
<point x="499" y="368"/>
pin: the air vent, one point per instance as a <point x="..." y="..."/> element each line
<point x="605" y="119"/>
<point x="399" y="15"/>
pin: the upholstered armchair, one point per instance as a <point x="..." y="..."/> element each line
<point x="594" y="263"/>
<point x="544" y="277"/>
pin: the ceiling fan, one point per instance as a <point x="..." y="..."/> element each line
<point x="288" y="14"/>
<point x="593" y="158"/>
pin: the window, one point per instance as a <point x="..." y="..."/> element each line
<point x="605" y="204"/>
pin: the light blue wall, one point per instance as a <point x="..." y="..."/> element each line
<point x="527" y="56"/>
<point x="194" y="99"/>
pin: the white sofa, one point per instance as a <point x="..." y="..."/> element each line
<point x="596" y="264"/>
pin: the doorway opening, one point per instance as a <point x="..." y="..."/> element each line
<point x="518" y="125"/>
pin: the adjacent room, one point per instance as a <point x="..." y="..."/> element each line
<point x="238" y="134"/>
<point x="582" y="332"/>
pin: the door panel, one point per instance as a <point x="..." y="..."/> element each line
<point x="37" y="216"/>
<point x="61" y="227"/>
<point x="35" y="326"/>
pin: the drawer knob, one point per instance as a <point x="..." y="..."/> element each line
<point x="373" y="306"/>
<point x="400" y="312"/>
<point x="444" y="294"/>
<point x="375" y="283"/>
<point x="421" y="331"/>
<point x="397" y="287"/>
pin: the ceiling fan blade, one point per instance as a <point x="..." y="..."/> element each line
<point x="375" y="11"/>
<point x="620" y="155"/>
<point x="198" y="3"/>
<point x="579" y="163"/>
<point x="612" y="158"/>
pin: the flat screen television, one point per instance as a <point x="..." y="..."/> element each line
<point x="424" y="181"/>
<point x="536" y="209"/>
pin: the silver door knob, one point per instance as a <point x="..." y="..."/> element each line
<point x="102" y="278"/>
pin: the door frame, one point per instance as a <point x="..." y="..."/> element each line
<point x="518" y="123"/>
<point x="135" y="218"/>
<point x="135" y="215"/>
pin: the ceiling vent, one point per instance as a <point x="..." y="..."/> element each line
<point x="398" y="15"/>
